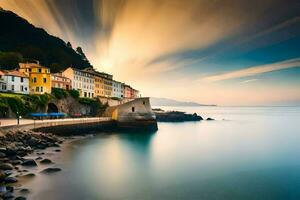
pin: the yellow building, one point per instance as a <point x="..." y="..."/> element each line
<point x="39" y="77"/>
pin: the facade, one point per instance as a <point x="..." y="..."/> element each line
<point x="81" y="80"/>
<point x="2" y="82"/>
<point x="117" y="90"/>
<point x="59" y="81"/>
<point x="130" y="92"/>
<point x="127" y="91"/>
<point x="15" y="81"/>
<point x="103" y="83"/>
<point x="39" y="77"/>
<point x="135" y="93"/>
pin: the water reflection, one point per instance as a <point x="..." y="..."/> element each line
<point x="251" y="156"/>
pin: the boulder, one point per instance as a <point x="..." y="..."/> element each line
<point x="50" y="170"/>
<point x="6" y="166"/>
<point x="29" y="163"/>
<point x="46" y="161"/>
<point x="24" y="191"/>
<point x="210" y="119"/>
<point x="10" y="180"/>
<point x="2" y="155"/>
<point x="20" y="198"/>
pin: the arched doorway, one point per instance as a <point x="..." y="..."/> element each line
<point x="52" y="108"/>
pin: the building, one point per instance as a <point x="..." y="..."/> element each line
<point x="14" y="81"/>
<point x="103" y="83"/>
<point x="135" y="93"/>
<point x="39" y="77"/>
<point x="130" y="92"/>
<point x="81" y="80"/>
<point x="59" y="81"/>
<point x="117" y="90"/>
<point x="127" y="91"/>
<point x="2" y="82"/>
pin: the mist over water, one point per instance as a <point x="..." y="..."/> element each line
<point x="247" y="153"/>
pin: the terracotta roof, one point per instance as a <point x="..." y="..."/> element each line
<point x="2" y="73"/>
<point x="15" y="73"/>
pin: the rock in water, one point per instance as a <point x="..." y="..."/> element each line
<point x="6" y="166"/>
<point x="20" y="198"/>
<point x="210" y="119"/>
<point x="29" y="163"/>
<point x="10" y="180"/>
<point x="24" y="191"/>
<point x="50" y="170"/>
<point x="46" y="161"/>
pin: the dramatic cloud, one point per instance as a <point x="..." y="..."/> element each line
<point x="255" y="70"/>
<point x="162" y="47"/>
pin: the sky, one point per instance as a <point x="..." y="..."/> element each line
<point x="224" y="52"/>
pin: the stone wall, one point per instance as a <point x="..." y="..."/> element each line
<point x="70" y="106"/>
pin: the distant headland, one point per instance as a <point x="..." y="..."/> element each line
<point x="155" y="101"/>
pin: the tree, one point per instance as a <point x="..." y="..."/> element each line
<point x="10" y="60"/>
<point x="69" y="45"/>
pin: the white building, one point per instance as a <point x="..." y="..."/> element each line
<point x="15" y="81"/>
<point x="81" y="81"/>
<point x="117" y="89"/>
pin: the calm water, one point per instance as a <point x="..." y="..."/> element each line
<point x="247" y="153"/>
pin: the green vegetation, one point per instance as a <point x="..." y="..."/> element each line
<point x="97" y="108"/>
<point x="60" y="93"/>
<point x="115" y="98"/>
<point x="20" y="41"/>
<point x="28" y="103"/>
<point x="74" y="93"/>
<point x="22" y="104"/>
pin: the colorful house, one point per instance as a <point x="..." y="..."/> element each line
<point x="15" y="81"/>
<point x="117" y="89"/>
<point x="103" y="83"/>
<point x="2" y="82"/>
<point x="82" y="81"/>
<point x="60" y="81"/>
<point x="39" y="77"/>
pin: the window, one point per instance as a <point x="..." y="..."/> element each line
<point x="22" y="79"/>
<point x="22" y="88"/>
<point x="34" y="80"/>
<point x="84" y="94"/>
<point x="29" y="70"/>
<point x="40" y="70"/>
<point x="45" y="80"/>
<point x="42" y="89"/>
<point x="37" y="89"/>
<point x="133" y="109"/>
<point x="12" y="87"/>
<point x="12" y="78"/>
<point x="144" y="102"/>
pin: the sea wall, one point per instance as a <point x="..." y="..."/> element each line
<point x="67" y="126"/>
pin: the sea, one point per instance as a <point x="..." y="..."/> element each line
<point x="245" y="153"/>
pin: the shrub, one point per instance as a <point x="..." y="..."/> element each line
<point x="86" y="101"/>
<point x="59" y="93"/>
<point x="74" y="93"/>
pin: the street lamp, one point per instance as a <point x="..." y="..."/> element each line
<point x="18" y="118"/>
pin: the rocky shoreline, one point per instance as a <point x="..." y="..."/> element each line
<point x="15" y="145"/>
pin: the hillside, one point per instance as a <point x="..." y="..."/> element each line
<point x="21" y="41"/>
<point x="170" y="102"/>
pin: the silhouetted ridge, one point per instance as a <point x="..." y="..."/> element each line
<point x="21" y="41"/>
